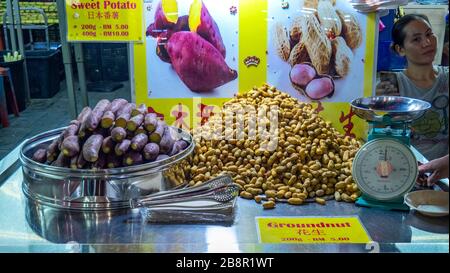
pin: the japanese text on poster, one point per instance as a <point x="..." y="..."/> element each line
<point x="311" y="230"/>
<point x="104" y="20"/>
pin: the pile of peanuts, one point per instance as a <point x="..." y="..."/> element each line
<point x="311" y="162"/>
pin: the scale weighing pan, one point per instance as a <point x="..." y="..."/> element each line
<point x="398" y="109"/>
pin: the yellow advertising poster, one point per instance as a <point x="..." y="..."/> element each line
<point x="311" y="230"/>
<point x="104" y="20"/>
<point x="254" y="42"/>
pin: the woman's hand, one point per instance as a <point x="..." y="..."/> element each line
<point x="438" y="168"/>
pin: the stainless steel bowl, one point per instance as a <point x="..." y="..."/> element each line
<point x="392" y="108"/>
<point x="86" y="189"/>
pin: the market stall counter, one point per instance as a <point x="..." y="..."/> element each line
<point x="26" y="226"/>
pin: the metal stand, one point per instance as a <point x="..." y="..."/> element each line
<point x="16" y="37"/>
<point x="67" y="59"/>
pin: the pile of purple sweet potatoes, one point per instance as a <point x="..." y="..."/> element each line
<point x="113" y="134"/>
<point x="192" y="44"/>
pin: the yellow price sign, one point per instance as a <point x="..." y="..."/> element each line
<point x="104" y="20"/>
<point x="311" y="230"/>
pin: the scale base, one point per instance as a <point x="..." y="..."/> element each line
<point x="364" y="202"/>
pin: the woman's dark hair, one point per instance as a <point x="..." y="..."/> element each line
<point x="398" y="35"/>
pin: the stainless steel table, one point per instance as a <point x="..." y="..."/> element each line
<point x="28" y="227"/>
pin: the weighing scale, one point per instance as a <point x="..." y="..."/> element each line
<point x="385" y="168"/>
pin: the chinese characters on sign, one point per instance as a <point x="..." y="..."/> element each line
<point x="311" y="230"/>
<point x="104" y="20"/>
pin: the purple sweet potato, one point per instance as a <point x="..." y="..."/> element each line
<point x="92" y="147"/>
<point x="122" y="147"/>
<point x="70" y="146"/>
<point x="73" y="162"/>
<point x="52" y="150"/>
<point x="108" y="144"/>
<point x="100" y="163"/>
<point x="161" y="157"/>
<point x="161" y="48"/>
<point x="81" y="162"/>
<point x="75" y="122"/>
<point x="85" y="112"/>
<point x="159" y="131"/>
<point x="201" y="22"/>
<point x="198" y="64"/>
<point x="61" y="161"/>
<point x="138" y="142"/>
<point x="40" y="155"/>
<point x="141" y="109"/>
<point x="140" y="130"/>
<point x="150" y="122"/>
<point x="117" y="104"/>
<point x="164" y="36"/>
<point x="71" y="130"/>
<point x="134" y="122"/>
<point x="150" y="151"/>
<point x="167" y="141"/>
<point x="166" y="15"/>
<point x="118" y="134"/>
<point x="113" y="160"/>
<point x="132" y="158"/>
<point x="124" y="114"/>
<point x="93" y="120"/>
<point x="178" y="146"/>
<point x="107" y="119"/>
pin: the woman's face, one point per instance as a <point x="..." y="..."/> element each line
<point x="419" y="46"/>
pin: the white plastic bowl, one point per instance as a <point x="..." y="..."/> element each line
<point x="428" y="202"/>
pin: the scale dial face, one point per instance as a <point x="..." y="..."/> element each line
<point x="385" y="169"/>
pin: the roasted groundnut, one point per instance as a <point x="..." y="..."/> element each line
<point x="308" y="157"/>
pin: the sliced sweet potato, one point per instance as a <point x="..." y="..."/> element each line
<point x="140" y="130"/>
<point x="108" y="145"/>
<point x="124" y="114"/>
<point x="141" y="109"/>
<point x="132" y="158"/>
<point x="198" y="64"/>
<point x="92" y="147"/>
<point x="118" y="134"/>
<point x="150" y="122"/>
<point x="202" y="23"/>
<point x="166" y="15"/>
<point x="159" y="131"/>
<point x="107" y="119"/>
<point x="70" y="146"/>
<point x="150" y="151"/>
<point x="134" y="122"/>
<point x="139" y="141"/>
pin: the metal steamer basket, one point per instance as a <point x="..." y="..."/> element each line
<point x="95" y="190"/>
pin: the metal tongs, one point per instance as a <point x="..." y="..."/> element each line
<point x="208" y="195"/>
